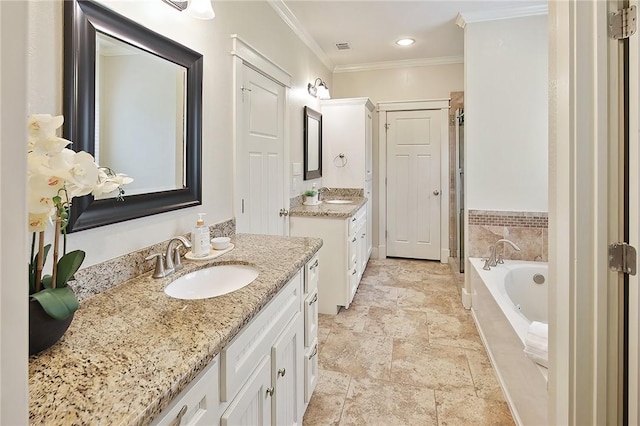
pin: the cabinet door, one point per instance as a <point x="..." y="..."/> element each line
<point x="252" y="405"/>
<point x="362" y="252"/>
<point x="368" y="145"/>
<point x="368" y="192"/>
<point x="287" y="375"/>
<point x="197" y="403"/>
<point x="310" y="372"/>
<point x="311" y="319"/>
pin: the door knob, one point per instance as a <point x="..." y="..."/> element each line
<point x="283" y="212"/>
<point x="436" y="192"/>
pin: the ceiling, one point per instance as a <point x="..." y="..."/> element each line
<point x="371" y="27"/>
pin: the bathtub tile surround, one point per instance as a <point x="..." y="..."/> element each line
<point x="132" y="349"/>
<point x="98" y="278"/>
<point x="405" y="352"/>
<point x="529" y="230"/>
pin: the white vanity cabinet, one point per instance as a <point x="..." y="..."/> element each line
<point x="310" y="308"/>
<point x="271" y="394"/>
<point x="347" y="129"/>
<point x="342" y="255"/>
<point x="267" y="373"/>
<point x="197" y="404"/>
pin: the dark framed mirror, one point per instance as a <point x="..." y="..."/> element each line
<point x="312" y="144"/>
<point x="132" y="99"/>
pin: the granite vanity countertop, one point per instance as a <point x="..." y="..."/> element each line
<point x="130" y="350"/>
<point x="330" y="210"/>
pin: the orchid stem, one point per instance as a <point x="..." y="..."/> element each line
<point x="40" y="261"/>
<point x="56" y="240"/>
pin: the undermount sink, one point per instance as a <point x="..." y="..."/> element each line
<point x="211" y="282"/>
<point x="337" y="201"/>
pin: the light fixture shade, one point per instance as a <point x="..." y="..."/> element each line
<point x="319" y="89"/>
<point x="201" y="9"/>
<point x="323" y="91"/>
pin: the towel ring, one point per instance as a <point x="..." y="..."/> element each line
<point x="340" y="160"/>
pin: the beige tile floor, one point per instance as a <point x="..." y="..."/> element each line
<point x="405" y="353"/>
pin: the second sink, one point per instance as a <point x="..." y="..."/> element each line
<point x="211" y="282"/>
<point x="337" y="201"/>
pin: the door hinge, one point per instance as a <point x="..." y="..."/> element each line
<point x="386" y="126"/>
<point x="622" y="258"/>
<point x="243" y="206"/>
<point x="623" y="23"/>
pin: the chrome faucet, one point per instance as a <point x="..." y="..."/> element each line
<point x="167" y="264"/>
<point x="494" y="259"/>
<point x="321" y="192"/>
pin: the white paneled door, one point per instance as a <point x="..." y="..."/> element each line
<point x="260" y="162"/>
<point x="413" y="184"/>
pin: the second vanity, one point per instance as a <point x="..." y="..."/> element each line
<point x="345" y="251"/>
<point x="134" y="355"/>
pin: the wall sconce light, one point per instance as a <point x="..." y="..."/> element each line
<point x="200" y="9"/>
<point x="319" y="89"/>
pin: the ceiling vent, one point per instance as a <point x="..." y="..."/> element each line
<point x="343" y="46"/>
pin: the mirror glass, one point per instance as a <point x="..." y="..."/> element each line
<point x="140" y="116"/>
<point x="133" y="99"/>
<point x="312" y="144"/>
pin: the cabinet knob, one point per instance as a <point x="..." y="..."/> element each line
<point x="354" y="240"/>
<point x="436" y="192"/>
<point x="283" y="212"/>
<point x="270" y="391"/>
<point x="282" y="372"/>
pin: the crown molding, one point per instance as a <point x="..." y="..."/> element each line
<point x="503" y="13"/>
<point x="290" y="19"/>
<point x="373" y="66"/>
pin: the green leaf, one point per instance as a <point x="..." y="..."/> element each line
<point x="58" y="303"/>
<point x="67" y="266"/>
<point x="46" y="281"/>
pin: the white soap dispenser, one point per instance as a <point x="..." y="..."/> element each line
<point x="200" y="246"/>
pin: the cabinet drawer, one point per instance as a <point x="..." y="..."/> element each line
<point x="239" y="358"/>
<point x="197" y="403"/>
<point x="310" y="371"/>
<point x="310" y="318"/>
<point x="311" y="275"/>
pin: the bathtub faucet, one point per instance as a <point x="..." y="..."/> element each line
<point x="494" y="258"/>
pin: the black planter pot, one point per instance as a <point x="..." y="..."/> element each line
<point x="44" y="331"/>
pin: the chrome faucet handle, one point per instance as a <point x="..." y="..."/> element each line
<point x="177" y="262"/>
<point x="486" y="266"/>
<point x="159" y="271"/>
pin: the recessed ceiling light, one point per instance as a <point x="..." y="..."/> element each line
<point x="405" y="42"/>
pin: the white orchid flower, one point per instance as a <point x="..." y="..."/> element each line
<point x="39" y="204"/>
<point x="49" y="146"/>
<point x="38" y="222"/>
<point x="44" y="126"/>
<point x="109" y="183"/>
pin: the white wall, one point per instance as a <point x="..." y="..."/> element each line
<point x="399" y="84"/>
<point x="257" y="24"/>
<point x="13" y="216"/>
<point x="506" y="134"/>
